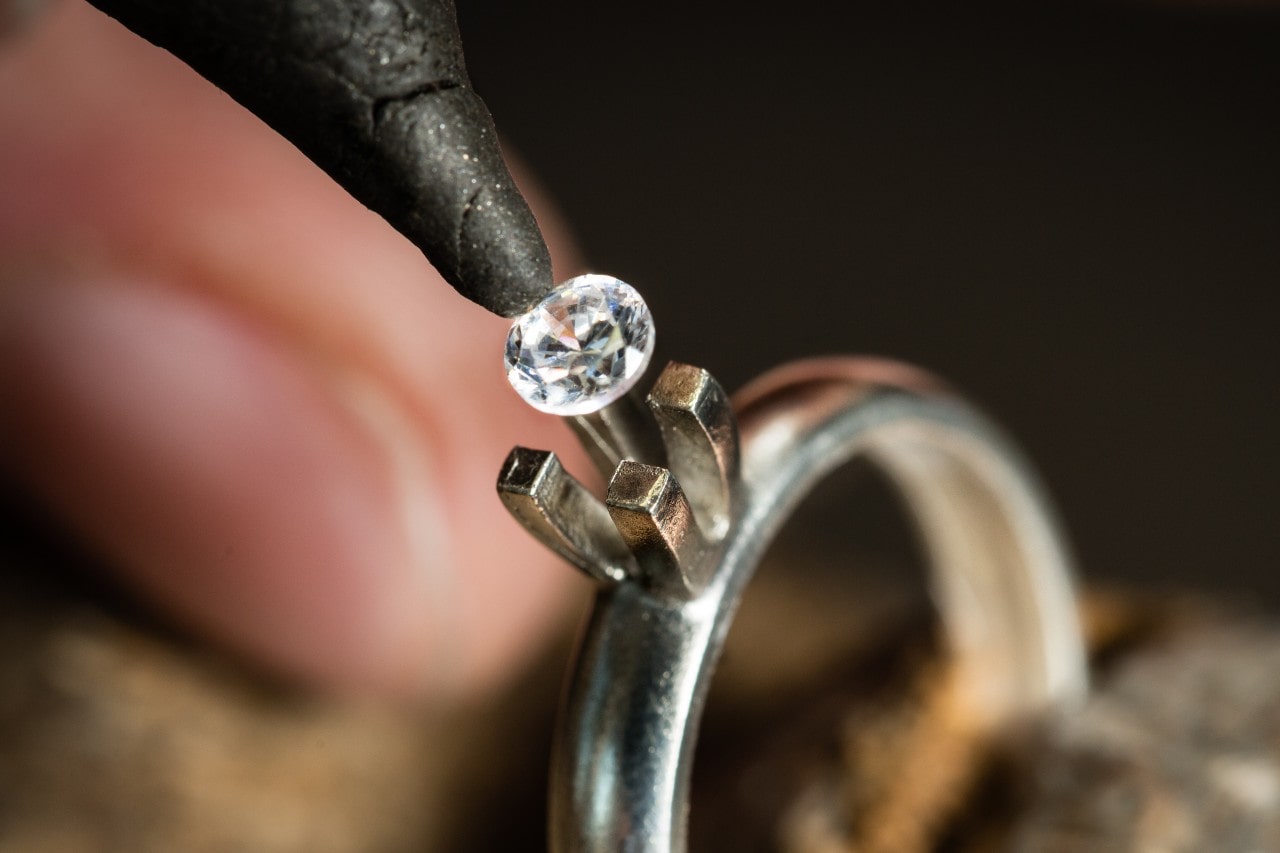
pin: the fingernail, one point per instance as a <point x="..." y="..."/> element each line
<point x="263" y="497"/>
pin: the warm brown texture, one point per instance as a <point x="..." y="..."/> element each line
<point x="117" y="735"/>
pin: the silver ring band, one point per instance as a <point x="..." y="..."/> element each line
<point x="1000" y="570"/>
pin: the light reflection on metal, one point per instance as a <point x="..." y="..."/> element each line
<point x="697" y="529"/>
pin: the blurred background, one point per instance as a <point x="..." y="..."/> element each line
<point x="1070" y="211"/>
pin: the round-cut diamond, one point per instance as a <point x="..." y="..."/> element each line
<point x="582" y="347"/>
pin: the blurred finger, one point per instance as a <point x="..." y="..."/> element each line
<point x="257" y="398"/>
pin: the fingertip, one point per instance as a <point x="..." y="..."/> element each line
<point x="255" y="398"/>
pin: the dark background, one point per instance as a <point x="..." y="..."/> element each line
<point x="1071" y="212"/>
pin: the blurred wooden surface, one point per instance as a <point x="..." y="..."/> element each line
<point x="829" y="730"/>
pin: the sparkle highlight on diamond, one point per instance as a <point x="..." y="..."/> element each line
<point x="582" y="347"/>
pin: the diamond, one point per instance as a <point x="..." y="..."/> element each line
<point x="582" y="347"/>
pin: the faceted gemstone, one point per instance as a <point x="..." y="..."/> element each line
<point x="582" y="347"/>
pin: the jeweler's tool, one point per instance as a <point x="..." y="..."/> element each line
<point x="377" y="94"/>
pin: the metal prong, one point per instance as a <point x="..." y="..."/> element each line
<point x="701" y="436"/>
<point x="624" y="429"/>
<point x="563" y="515"/>
<point x="655" y="520"/>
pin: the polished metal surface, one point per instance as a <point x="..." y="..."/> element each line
<point x="1001" y="573"/>
<point x="701" y="437"/>
<point x="622" y="430"/>
<point x="657" y="522"/>
<point x="563" y="515"/>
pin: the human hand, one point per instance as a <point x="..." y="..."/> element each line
<point x="254" y="397"/>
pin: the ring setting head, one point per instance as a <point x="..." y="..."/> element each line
<point x="580" y="348"/>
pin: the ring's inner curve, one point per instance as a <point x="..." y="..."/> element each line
<point x="999" y="570"/>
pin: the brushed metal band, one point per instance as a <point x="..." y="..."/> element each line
<point x="673" y="569"/>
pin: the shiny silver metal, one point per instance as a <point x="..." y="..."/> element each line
<point x="563" y="515"/>
<point x="622" y="430"/>
<point x="1001" y="572"/>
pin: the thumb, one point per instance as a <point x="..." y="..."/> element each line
<point x="255" y="398"/>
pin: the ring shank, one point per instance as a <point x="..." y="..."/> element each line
<point x="999" y="568"/>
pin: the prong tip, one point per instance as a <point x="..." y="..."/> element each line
<point x="524" y="470"/>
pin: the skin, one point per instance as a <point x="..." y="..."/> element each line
<point x="259" y="402"/>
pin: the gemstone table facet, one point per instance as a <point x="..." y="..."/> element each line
<point x="582" y="347"/>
